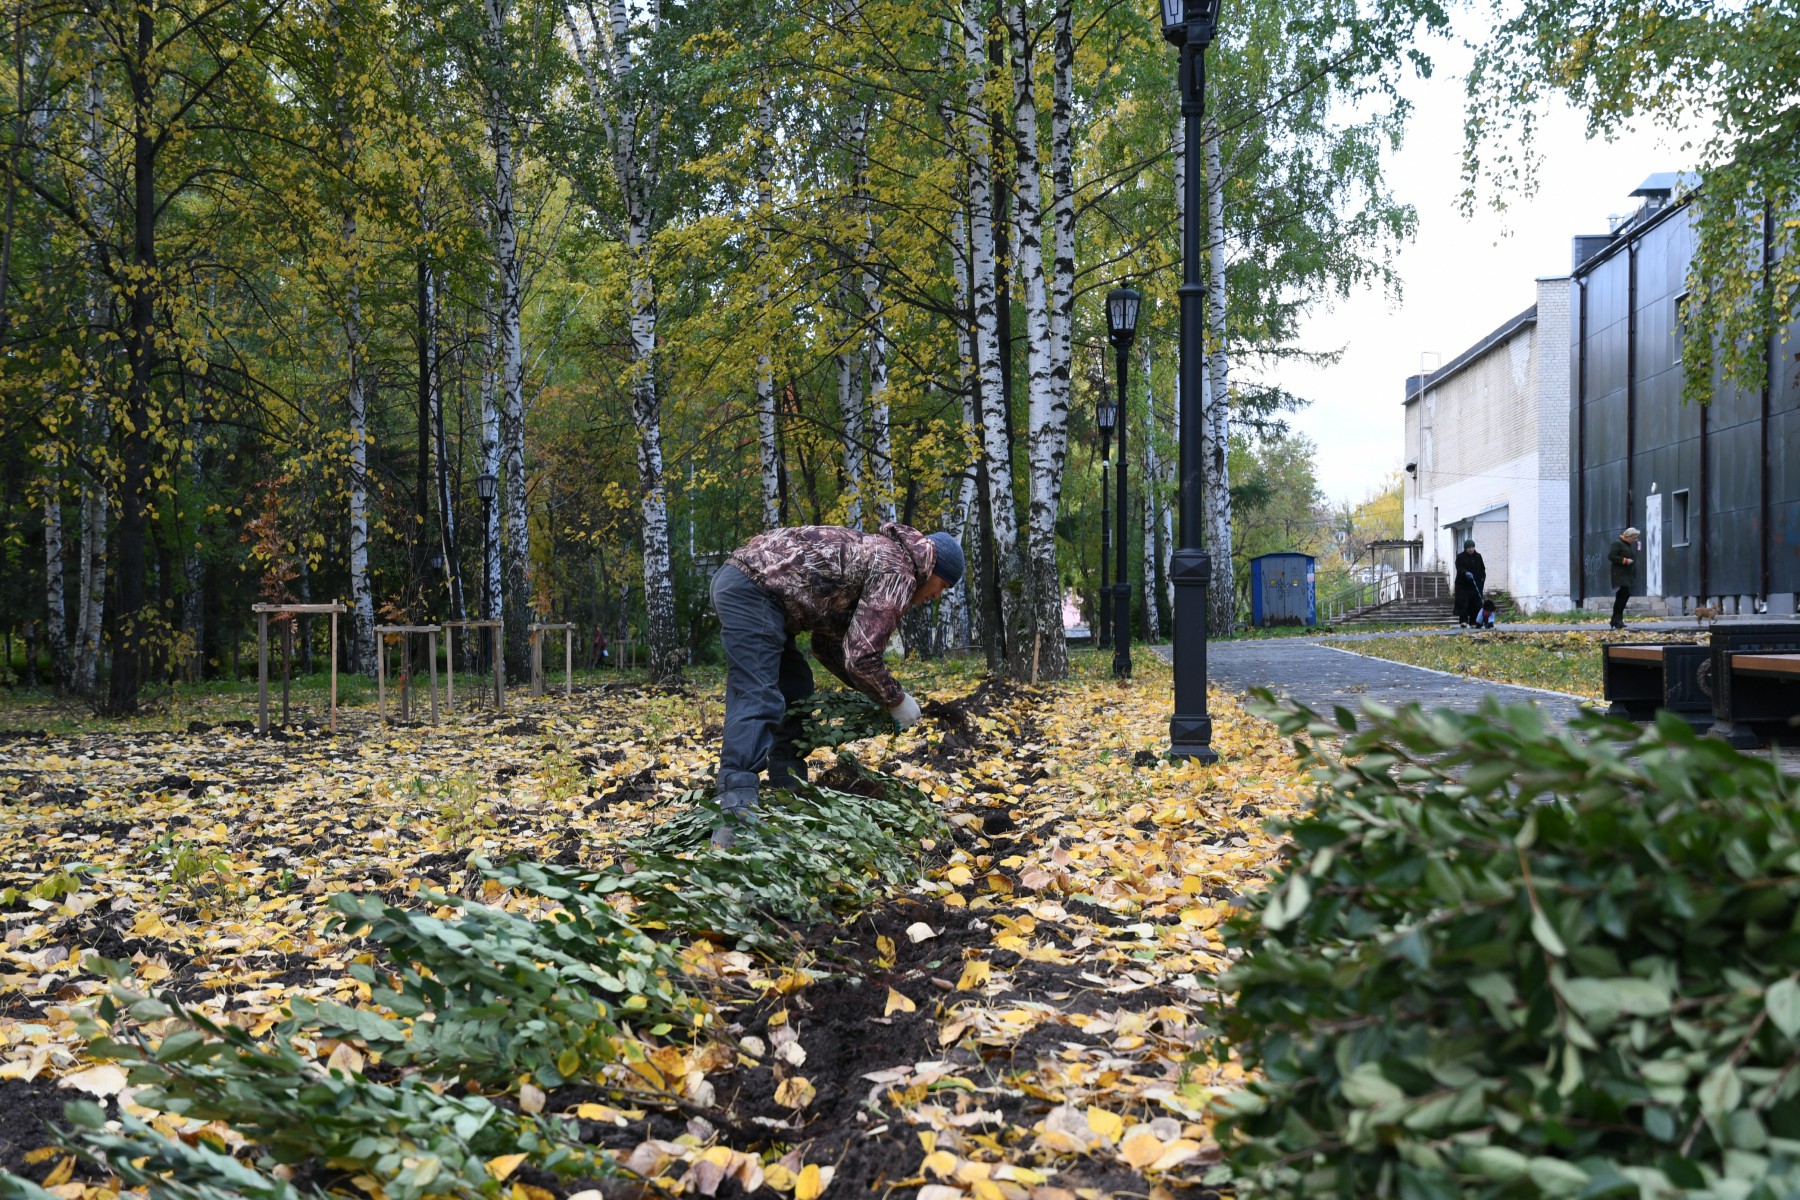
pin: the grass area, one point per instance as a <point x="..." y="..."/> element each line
<point x="1561" y="662"/>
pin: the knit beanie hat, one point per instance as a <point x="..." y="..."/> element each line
<point x="949" y="558"/>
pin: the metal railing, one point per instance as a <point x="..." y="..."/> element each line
<point x="1366" y="594"/>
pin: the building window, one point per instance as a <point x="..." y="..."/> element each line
<point x="1681" y="324"/>
<point x="1678" y="519"/>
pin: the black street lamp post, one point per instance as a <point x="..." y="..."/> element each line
<point x="1106" y="415"/>
<point x="1121" y="326"/>
<point x="1189" y="25"/>
<point x="485" y="485"/>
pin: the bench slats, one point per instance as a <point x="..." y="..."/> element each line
<point x="1646" y="654"/>
<point x="1779" y="666"/>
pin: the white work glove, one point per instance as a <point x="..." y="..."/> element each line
<point x="905" y="713"/>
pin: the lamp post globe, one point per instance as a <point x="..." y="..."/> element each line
<point x="1106" y="416"/>
<point x="1122" y="305"/>
<point x="1190" y="25"/>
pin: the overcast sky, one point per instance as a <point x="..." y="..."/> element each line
<point x="1462" y="278"/>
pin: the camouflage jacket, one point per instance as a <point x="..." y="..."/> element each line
<point x="846" y="588"/>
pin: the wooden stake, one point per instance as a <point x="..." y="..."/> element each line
<point x="262" y="674"/>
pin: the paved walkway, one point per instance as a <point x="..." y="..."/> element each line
<point x="1322" y="677"/>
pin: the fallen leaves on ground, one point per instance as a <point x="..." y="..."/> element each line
<point x="1018" y="1023"/>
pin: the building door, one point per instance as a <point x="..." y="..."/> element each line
<point x="1653" y="545"/>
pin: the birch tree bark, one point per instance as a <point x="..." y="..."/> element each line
<point x="361" y="658"/>
<point x="55" y="593"/>
<point x="495" y="607"/>
<point x="362" y="599"/>
<point x="957" y="616"/>
<point x="1062" y="203"/>
<point x="96" y="406"/>
<point x="1155" y="498"/>
<point x="850" y="415"/>
<point x="509" y="271"/>
<point x="990" y="403"/>
<point x="631" y="124"/>
<point x="851" y="355"/>
<point x="1216" y="438"/>
<point x="768" y="443"/>
<point x="1047" y="655"/>
<point x="446" y="501"/>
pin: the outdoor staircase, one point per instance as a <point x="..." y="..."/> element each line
<point x="1424" y="598"/>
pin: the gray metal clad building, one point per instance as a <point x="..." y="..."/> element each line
<point x="1715" y="488"/>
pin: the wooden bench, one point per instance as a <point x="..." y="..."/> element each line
<point x="1775" y="666"/>
<point x="1639" y="680"/>
<point x="1756" y="684"/>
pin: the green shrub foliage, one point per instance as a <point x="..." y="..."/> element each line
<point x="1510" y="961"/>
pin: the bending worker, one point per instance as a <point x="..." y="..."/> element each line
<point x="849" y="590"/>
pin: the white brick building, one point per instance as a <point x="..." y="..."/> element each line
<point x="1487" y="454"/>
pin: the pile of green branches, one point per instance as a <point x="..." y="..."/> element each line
<point x="1506" y="960"/>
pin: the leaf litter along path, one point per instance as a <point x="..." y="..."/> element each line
<point x="1016" y="1024"/>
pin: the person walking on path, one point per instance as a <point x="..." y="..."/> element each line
<point x="1471" y="579"/>
<point x="1623" y="556"/>
<point x="849" y="590"/>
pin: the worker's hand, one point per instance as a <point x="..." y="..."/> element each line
<point x="905" y="713"/>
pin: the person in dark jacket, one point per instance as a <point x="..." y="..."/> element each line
<point x="1471" y="579"/>
<point x="1623" y="556"/>
<point x="848" y="589"/>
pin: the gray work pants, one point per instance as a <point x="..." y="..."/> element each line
<point x="765" y="674"/>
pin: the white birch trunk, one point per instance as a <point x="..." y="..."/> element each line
<point x="1062" y="204"/>
<point x="495" y="606"/>
<point x="880" y="486"/>
<point x="851" y="357"/>
<point x="510" y="274"/>
<point x="56" y="603"/>
<point x="850" y="416"/>
<point x="362" y="598"/>
<point x="881" y="446"/>
<point x="996" y="445"/>
<point x="90" y="613"/>
<point x="956" y="613"/>
<point x="635" y="166"/>
<point x="1048" y="656"/>
<point x="1154" y="498"/>
<point x="1216" y="438"/>
<point x="768" y="445"/>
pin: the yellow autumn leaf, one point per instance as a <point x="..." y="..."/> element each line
<point x="975" y="974"/>
<point x="502" y="1167"/>
<point x="898" y="1003"/>
<point x="796" y="1091"/>
<point x="941" y="1163"/>
<point x="958" y="876"/>
<point x="1107" y="1125"/>
<point x="1141" y="1148"/>
<point x="811" y="1183"/>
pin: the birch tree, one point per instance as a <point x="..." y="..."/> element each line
<point x="630" y="116"/>
<point x="990" y="405"/>
<point x="1216" y="437"/>
<point x="509" y="274"/>
<point x="1046" y="657"/>
<point x="767" y="444"/>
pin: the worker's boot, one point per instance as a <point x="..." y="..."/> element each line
<point x="737" y="810"/>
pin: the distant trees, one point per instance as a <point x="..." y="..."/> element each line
<point x="280" y="283"/>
